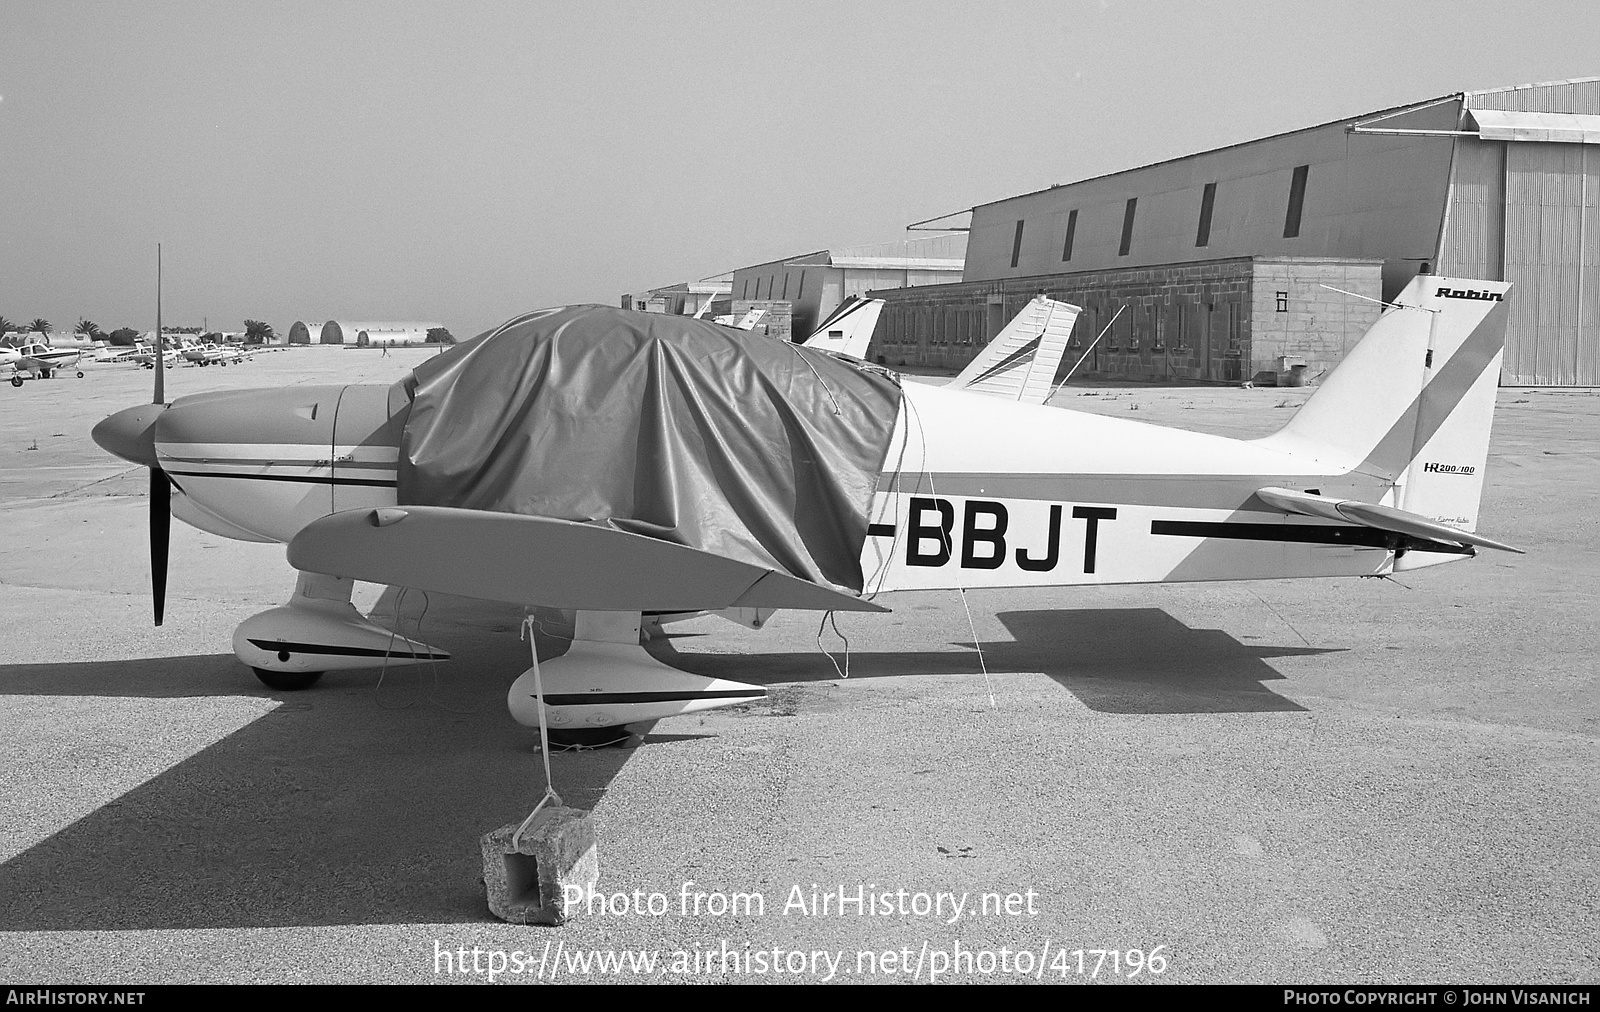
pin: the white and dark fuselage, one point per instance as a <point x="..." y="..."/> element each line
<point x="42" y="359"/>
<point x="258" y="465"/>
<point x="977" y="492"/>
<point x="1381" y="470"/>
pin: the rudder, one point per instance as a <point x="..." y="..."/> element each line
<point x="1413" y="402"/>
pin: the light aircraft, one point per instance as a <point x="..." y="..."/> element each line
<point x="848" y="329"/>
<point x="204" y="353"/>
<point x="171" y="354"/>
<point x="746" y="322"/>
<point x="207" y="353"/>
<point x="924" y="488"/>
<point x="110" y="355"/>
<point x="1019" y="364"/>
<point x="42" y="361"/>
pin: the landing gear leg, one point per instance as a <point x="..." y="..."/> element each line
<point x="320" y="630"/>
<point x="607" y="680"/>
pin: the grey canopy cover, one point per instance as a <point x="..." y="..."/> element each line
<point x="680" y="429"/>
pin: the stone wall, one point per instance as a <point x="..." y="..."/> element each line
<point x="1184" y="322"/>
<point x="778" y="322"/>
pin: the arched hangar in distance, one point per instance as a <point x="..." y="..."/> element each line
<point x="363" y="334"/>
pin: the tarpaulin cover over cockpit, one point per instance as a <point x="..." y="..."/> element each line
<point x="680" y="429"/>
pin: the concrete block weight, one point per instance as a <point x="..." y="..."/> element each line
<point x="525" y="882"/>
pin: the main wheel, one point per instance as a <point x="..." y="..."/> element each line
<point x="589" y="737"/>
<point x="45" y="374"/>
<point x="287" y="681"/>
<point x="80" y="374"/>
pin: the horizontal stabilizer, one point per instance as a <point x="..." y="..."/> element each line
<point x="531" y="560"/>
<point x="1382" y="518"/>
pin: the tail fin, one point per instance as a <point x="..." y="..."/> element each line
<point x="1020" y="363"/>
<point x="849" y="329"/>
<point x="1413" y="401"/>
<point x="746" y="322"/>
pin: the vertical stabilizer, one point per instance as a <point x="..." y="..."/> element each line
<point x="1020" y="363"/>
<point x="1413" y="402"/>
<point x="848" y="330"/>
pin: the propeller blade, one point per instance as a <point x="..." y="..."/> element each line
<point x="160" y="535"/>
<point x="161" y="347"/>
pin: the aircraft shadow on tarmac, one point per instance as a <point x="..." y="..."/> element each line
<point x="354" y="805"/>
<point x="344" y="805"/>
<point x="1115" y="660"/>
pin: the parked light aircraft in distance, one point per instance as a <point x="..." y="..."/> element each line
<point x="41" y="361"/>
<point x="1380" y="472"/>
<point x="1018" y="364"/>
<point x="848" y="329"/>
<point x="746" y="322"/>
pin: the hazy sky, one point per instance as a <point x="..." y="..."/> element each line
<point x="464" y="162"/>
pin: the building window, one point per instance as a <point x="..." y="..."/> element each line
<point x="800" y="292"/>
<point x="1208" y="199"/>
<point x="1127" y="227"/>
<point x="786" y="284"/>
<point x="1016" y="245"/>
<point x="1283" y="302"/>
<point x="1072" y="231"/>
<point x="1297" y="200"/>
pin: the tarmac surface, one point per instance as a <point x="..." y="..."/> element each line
<point x="1288" y="781"/>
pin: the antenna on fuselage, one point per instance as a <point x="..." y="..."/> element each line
<point x="1086" y="352"/>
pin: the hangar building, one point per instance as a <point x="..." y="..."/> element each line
<point x="1225" y="263"/>
<point x="360" y="334"/>
<point x="686" y="298"/>
<point x="813" y="284"/>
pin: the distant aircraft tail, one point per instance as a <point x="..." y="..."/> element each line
<point x="1413" y="401"/>
<point x="1020" y="363"/>
<point x="848" y="331"/>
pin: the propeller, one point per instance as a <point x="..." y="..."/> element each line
<point x="160" y="484"/>
<point x="131" y="435"/>
<point x="160" y="536"/>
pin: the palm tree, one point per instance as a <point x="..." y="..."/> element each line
<point x="88" y="328"/>
<point x="256" y="332"/>
<point x="41" y="326"/>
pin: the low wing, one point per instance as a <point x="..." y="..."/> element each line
<point x="1020" y="363"/>
<point x="539" y="561"/>
<point x="848" y="331"/>
<point x="1365" y="514"/>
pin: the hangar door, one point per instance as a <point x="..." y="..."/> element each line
<point x="1552" y="255"/>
